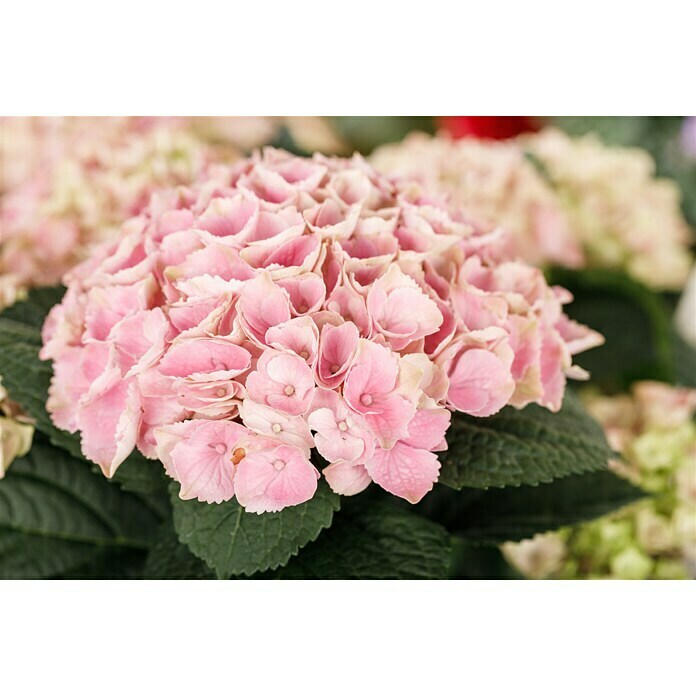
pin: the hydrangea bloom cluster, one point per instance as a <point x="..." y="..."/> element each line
<point x="285" y="305"/>
<point x="622" y="215"/>
<point x="656" y="538"/>
<point x="75" y="181"/>
<point x="602" y="207"/>
<point x="68" y="183"/>
<point x="494" y="181"/>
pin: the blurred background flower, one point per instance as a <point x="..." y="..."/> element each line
<point x="489" y="127"/>
<point x="654" y="431"/>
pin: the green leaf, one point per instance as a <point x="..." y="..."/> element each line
<point x="109" y="563"/>
<point x="374" y="540"/>
<point x="634" y="320"/>
<point x="169" y="559"/>
<point x="53" y="505"/>
<point x="526" y="447"/>
<point x="496" y="516"/>
<point x="140" y="475"/>
<point x="235" y="542"/>
<point x="34" y="309"/>
<point x="28" y="557"/>
<point x="476" y="562"/>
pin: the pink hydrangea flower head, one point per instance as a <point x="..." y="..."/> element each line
<point x="286" y="311"/>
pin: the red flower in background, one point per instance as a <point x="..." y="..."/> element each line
<point x="490" y="127"/>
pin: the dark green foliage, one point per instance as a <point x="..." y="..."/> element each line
<point x="527" y="447"/>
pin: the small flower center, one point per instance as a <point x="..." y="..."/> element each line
<point x="289" y="390"/>
<point x="276" y="427"/>
<point x="342" y="426"/>
<point x="303" y="308"/>
<point x="278" y="464"/>
<point x="366" y="400"/>
<point x="220" y="392"/>
<point x="238" y="455"/>
<point x="335" y="369"/>
<point x="304" y="354"/>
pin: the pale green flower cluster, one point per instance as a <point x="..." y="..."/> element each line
<point x="654" y="430"/>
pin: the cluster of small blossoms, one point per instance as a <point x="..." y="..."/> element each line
<point x="594" y="206"/>
<point x="654" y="430"/>
<point x="288" y="304"/>
<point x="624" y="217"/>
<point x="493" y="181"/>
<point x="71" y="182"/>
<point x="66" y="184"/>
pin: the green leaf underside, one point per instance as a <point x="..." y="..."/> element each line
<point x="496" y="516"/>
<point x="55" y="511"/>
<point x="235" y="542"/>
<point x="527" y="447"/>
<point x="375" y="540"/>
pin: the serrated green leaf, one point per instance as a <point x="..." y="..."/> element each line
<point x="374" y="540"/>
<point x="48" y="496"/>
<point x="526" y="447"/>
<point x="235" y="542"/>
<point x="496" y="516"/>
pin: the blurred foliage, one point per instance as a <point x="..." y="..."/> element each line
<point x="365" y="133"/>
<point x="640" y="340"/>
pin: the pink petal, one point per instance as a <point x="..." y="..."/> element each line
<point x="480" y="383"/>
<point x="205" y="358"/>
<point x="427" y="429"/>
<point x="274" y="478"/>
<point x="264" y="420"/>
<point x="109" y="422"/>
<point x="347" y="478"/>
<point x="262" y="304"/>
<point x="404" y="471"/>
<point x="336" y="350"/>
<point x="199" y="454"/>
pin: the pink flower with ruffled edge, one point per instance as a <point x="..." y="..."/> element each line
<point x="287" y="306"/>
<point x="274" y="475"/>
